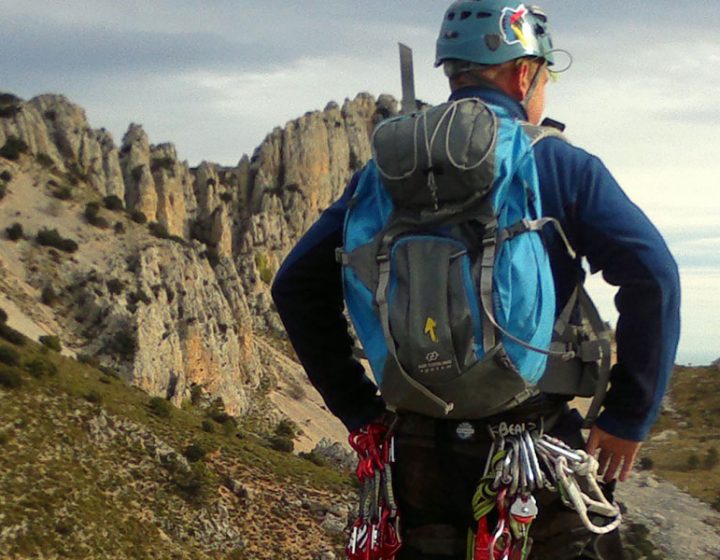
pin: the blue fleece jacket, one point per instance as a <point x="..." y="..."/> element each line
<point x="602" y="225"/>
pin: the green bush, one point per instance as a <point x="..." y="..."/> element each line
<point x="158" y="230"/>
<point x="6" y="176"/>
<point x="119" y="227"/>
<point x="195" y="483"/>
<point x="10" y="377"/>
<point x="262" y="262"/>
<point x="51" y="238"/>
<point x="89" y="360"/>
<point x="9" y="356"/>
<point x="138" y="217"/>
<point x="196" y="393"/>
<point x="93" y="397"/>
<point x="13" y="148"/>
<point x="41" y="367"/>
<point x="48" y="295"/>
<point x="124" y="343"/>
<point x="3" y="190"/>
<point x="286" y="429"/>
<point x="113" y="203"/>
<point x="4" y="438"/>
<point x="282" y="444"/>
<point x="45" y="160"/>
<point x="208" y="426"/>
<point x="230" y="428"/>
<point x="693" y="461"/>
<point x="11" y="335"/>
<point x="63" y="193"/>
<point x="160" y="407"/>
<point x="92" y="211"/>
<point x="139" y="295"/>
<point x="194" y="453"/>
<point x="14" y="232"/>
<point x="221" y="417"/>
<point x="77" y="174"/>
<point x="646" y="464"/>
<point x="266" y="275"/>
<point x="3" y="316"/>
<point x="711" y="458"/>
<point x="115" y="286"/>
<point x="314" y="458"/>
<point x="52" y="342"/>
<point x="108" y="372"/>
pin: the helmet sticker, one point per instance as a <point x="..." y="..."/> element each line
<point x="516" y="28"/>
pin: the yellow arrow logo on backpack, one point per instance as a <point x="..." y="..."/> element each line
<point x="430" y="326"/>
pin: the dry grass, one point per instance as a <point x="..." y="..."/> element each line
<point x="685" y="459"/>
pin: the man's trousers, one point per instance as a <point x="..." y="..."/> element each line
<point x="437" y="473"/>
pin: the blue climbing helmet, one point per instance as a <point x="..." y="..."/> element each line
<point x="492" y="32"/>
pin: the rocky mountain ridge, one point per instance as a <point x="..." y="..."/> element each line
<point x="189" y="304"/>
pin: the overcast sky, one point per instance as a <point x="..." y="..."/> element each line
<point x="215" y="77"/>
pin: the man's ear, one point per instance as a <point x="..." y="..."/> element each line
<point x="521" y="79"/>
<point x="517" y="80"/>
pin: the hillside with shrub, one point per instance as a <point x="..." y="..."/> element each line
<point x="93" y="468"/>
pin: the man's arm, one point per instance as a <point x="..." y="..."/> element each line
<point x="619" y="240"/>
<point x="309" y="298"/>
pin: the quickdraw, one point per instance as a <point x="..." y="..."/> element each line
<point x="520" y="463"/>
<point x="375" y="534"/>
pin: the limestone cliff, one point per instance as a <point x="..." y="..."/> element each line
<point x="183" y="300"/>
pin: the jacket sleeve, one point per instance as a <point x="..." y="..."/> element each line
<point x="308" y="295"/>
<point x="620" y="241"/>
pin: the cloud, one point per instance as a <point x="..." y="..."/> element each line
<point x="701" y="116"/>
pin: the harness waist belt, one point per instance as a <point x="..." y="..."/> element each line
<point x="530" y="418"/>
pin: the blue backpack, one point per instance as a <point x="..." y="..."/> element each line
<point x="446" y="276"/>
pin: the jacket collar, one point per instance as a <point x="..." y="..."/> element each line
<point x="493" y="97"/>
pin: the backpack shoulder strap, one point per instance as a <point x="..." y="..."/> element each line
<point x="538" y="133"/>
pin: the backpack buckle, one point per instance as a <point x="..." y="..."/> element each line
<point x="341" y="257"/>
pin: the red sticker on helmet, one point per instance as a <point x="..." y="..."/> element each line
<point x="515" y="27"/>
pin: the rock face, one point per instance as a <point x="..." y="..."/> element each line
<point x="181" y="309"/>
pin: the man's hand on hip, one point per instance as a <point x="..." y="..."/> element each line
<point x="615" y="453"/>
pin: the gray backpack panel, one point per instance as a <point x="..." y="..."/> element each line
<point x="444" y="156"/>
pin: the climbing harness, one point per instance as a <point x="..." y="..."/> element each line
<point x="375" y="534"/>
<point x="523" y="460"/>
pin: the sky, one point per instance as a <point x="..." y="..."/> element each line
<point x="215" y="77"/>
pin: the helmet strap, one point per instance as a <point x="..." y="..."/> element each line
<point x="531" y="90"/>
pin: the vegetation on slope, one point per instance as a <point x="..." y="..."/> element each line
<point x="686" y="440"/>
<point x="94" y="468"/>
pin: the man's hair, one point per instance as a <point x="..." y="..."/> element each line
<point x="471" y="73"/>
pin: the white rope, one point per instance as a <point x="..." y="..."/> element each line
<point x="586" y="466"/>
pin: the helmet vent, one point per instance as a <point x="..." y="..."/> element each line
<point x="493" y="41"/>
<point x="451" y="16"/>
<point x="484" y="15"/>
<point x="465" y="15"/>
<point x="452" y="35"/>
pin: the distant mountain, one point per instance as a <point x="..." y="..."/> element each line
<point x="169" y="283"/>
